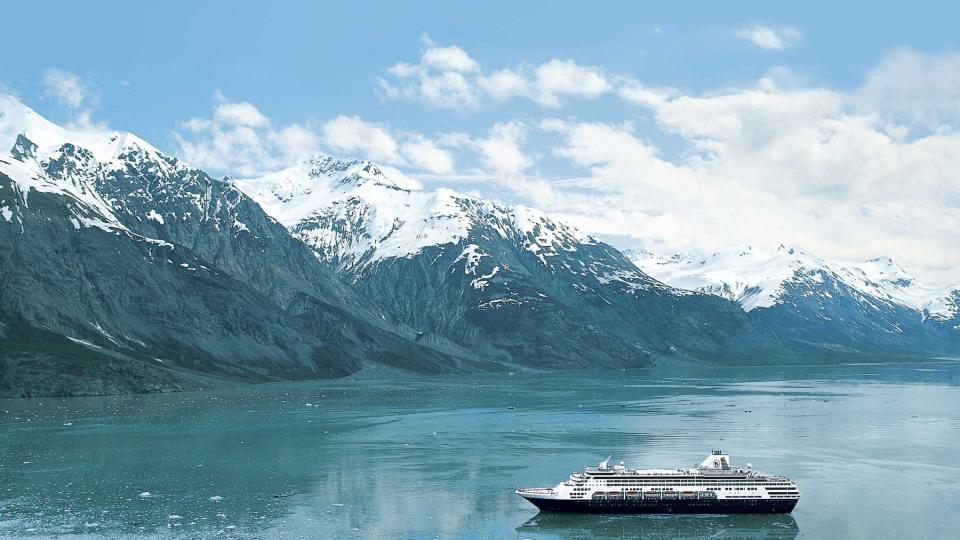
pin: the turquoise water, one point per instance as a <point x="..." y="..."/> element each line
<point x="875" y="450"/>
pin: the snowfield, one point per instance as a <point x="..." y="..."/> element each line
<point x="756" y="279"/>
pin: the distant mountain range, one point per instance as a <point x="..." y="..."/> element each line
<point x="123" y="269"/>
<point x="868" y="306"/>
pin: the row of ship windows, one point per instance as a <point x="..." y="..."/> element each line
<point x="686" y="482"/>
<point x="584" y="490"/>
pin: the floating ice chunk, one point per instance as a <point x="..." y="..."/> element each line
<point x="146" y="495"/>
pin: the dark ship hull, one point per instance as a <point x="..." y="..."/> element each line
<point x="665" y="506"/>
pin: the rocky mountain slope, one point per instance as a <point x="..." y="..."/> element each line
<point x="111" y="250"/>
<point x="507" y="282"/>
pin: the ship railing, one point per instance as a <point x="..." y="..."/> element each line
<point x="720" y="472"/>
<point x="536" y="491"/>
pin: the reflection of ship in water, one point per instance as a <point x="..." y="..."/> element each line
<point x="732" y="527"/>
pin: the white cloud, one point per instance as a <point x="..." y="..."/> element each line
<point x="238" y="139"/>
<point x="501" y="150"/>
<point x="296" y="141"/>
<point x="70" y="91"/>
<point x="780" y="162"/>
<point x="448" y="89"/>
<point x="918" y="91"/>
<point x="633" y="92"/>
<point x="504" y="84"/>
<point x="240" y="114"/>
<point x="352" y="135"/>
<point x="425" y="154"/>
<point x="765" y="166"/>
<point x="558" y="78"/>
<point x="769" y="38"/>
<point x="846" y="174"/>
<point x="443" y="77"/>
<point x="451" y="58"/>
<point x="65" y="87"/>
<point x="449" y="77"/>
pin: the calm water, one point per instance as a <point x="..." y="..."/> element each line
<point x="875" y="450"/>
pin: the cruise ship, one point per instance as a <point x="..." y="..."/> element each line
<point x="713" y="487"/>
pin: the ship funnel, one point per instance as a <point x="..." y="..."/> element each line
<point x="715" y="460"/>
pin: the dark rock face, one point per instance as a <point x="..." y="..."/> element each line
<point x="818" y="311"/>
<point x="511" y="306"/>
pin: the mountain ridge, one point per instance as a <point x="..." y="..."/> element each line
<point x="124" y="269"/>
<point x="791" y="289"/>
<point x="478" y="258"/>
<point x="263" y="308"/>
<point x="720" y="271"/>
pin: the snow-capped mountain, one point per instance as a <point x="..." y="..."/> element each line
<point x="819" y="293"/>
<point x="889" y="280"/>
<point x="355" y="216"/>
<point x="113" y="251"/>
<point x="124" y="269"/>
<point x="489" y="276"/>
<point x="507" y="281"/>
<point x="755" y="279"/>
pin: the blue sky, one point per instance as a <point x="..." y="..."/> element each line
<point x="311" y="59"/>
<point x="826" y="125"/>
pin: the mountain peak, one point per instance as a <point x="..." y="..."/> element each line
<point x="19" y="125"/>
<point x="351" y="173"/>
<point x="884" y="270"/>
<point x="790" y="249"/>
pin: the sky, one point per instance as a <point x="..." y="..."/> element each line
<point x="830" y="126"/>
